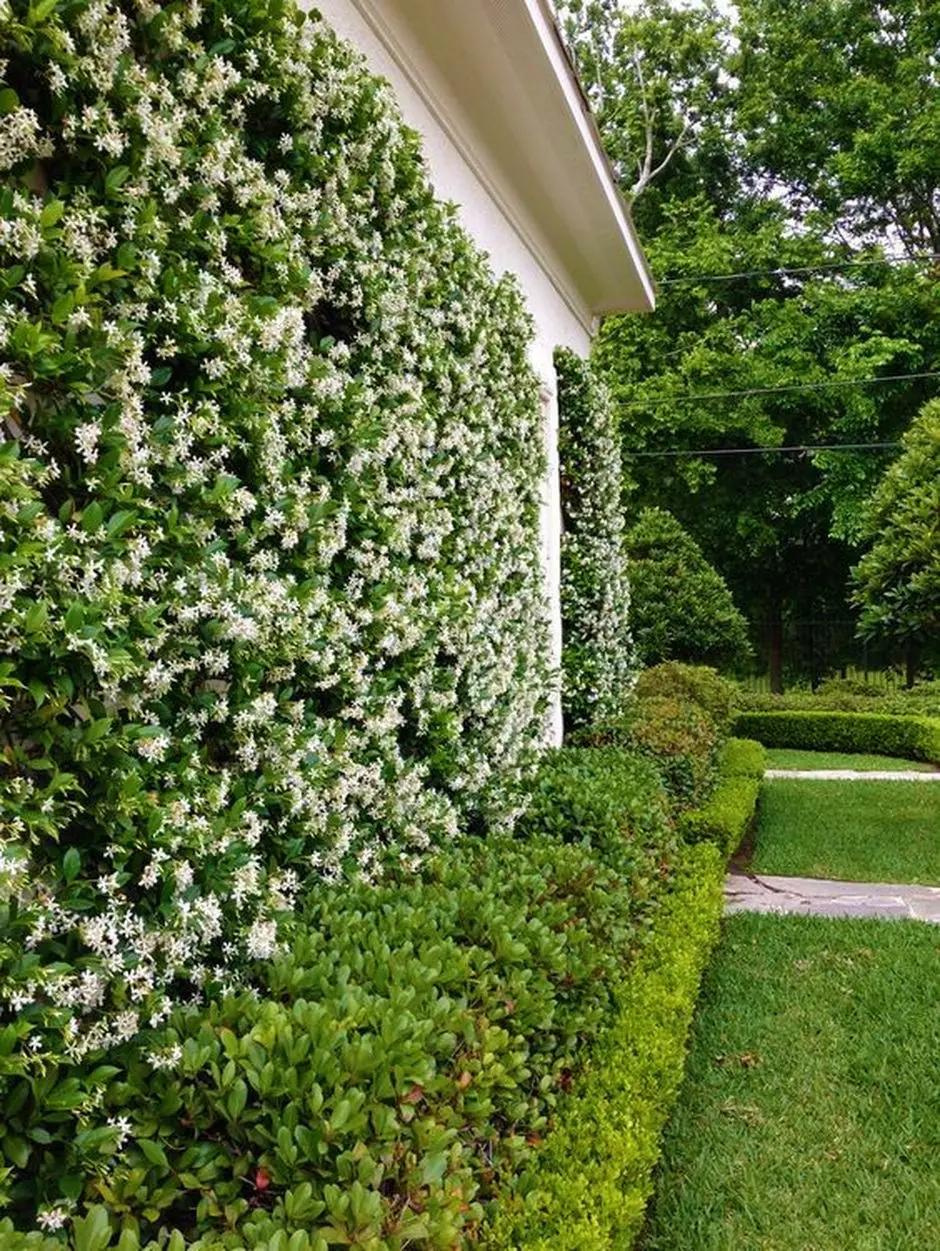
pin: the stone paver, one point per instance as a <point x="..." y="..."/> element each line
<point x="806" y="896"/>
<point x="855" y="775"/>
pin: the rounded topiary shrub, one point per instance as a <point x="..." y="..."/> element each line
<point x="700" y="684"/>
<point x="270" y="590"/>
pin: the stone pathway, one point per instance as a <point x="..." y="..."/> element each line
<point x="806" y="896"/>
<point x="855" y="775"/>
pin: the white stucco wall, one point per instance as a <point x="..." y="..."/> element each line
<point x="512" y="243"/>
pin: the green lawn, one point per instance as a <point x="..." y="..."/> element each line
<point x="793" y="758"/>
<point x="810" y="1116"/>
<point x="853" y="831"/>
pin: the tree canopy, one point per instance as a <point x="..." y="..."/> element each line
<point x="791" y="190"/>
<point x="897" y="581"/>
<point x="681" y="608"/>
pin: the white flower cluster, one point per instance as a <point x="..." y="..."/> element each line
<point x="274" y="608"/>
<point x="597" y="656"/>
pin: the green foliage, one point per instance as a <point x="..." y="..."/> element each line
<point x="677" y="735"/>
<point x="897" y="581"/>
<point x="272" y="602"/>
<point x="742" y="758"/>
<point x="836" y="695"/>
<point x="650" y="73"/>
<point x="916" y="738"/>
<point x="681" y="608"/>
<point x="603" y="797"/>
<point x="406" y="1052"/>
<point x="597" y="651"/>
<point x="587" y="1189"/>
<point x="834" y="102"/>
<point x="727" y="814"/>
<point x="725" y="817"/>
<point x="839" y="107"/>
<point x="698" y="683"/>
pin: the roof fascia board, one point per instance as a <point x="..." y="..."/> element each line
<point x="546" y="24"/>
<point x="370" y="11"/>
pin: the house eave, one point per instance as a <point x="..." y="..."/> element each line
<point x="499" y="80"/>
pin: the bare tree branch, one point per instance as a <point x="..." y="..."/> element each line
<point x="646" y="173"/>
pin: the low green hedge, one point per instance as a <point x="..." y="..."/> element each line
<point x="742" y="758"/>
<point x="408" y="1050"/>
<point x="917" y="738"/>
<point x="725" y="818"/>
<point x="922" y="700"/>
<point x="587" y="1189"/>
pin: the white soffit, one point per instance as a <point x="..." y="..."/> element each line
<point x="496" y="75"/>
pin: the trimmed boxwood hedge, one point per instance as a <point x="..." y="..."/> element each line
<point x="588" y="1189"/>
<point x="743" y="758"/>
<point x="916" y="738"/>
<point x="726" y="816"/>
<point x="724" y="820"/>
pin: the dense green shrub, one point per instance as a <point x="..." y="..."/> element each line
<point x="404" y="1055"/>
<point x="676" y="734"/>
<point x="271" y="589"/>
<point x="587" y="1189"/>
<point x="699" y="683"/>
<point x="597" y="652"/>
<point x="897" y="581"/>
<point x="917" y="738"/>
<point x="681" y="607"/>
<point x="726" y="816"/>
<point x="742" y="758"/>
<point x="604" y="796"/>
<point x="847" y="695"/>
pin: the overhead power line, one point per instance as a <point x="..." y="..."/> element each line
<point x="763" y="451"/>
<point x="927" y="258"/>
<point x="657" y="401"/>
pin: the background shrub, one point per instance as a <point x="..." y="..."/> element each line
<point x="848" y="695"/>
<point x="917" y="738"/>
<point x="897" y="581"/>
<point x="677" y="735"/>
<point x="597" y="654"/>
<point x="681" y="607"/>
<point x="700" y="684"/>
<point x="272" y="601"/>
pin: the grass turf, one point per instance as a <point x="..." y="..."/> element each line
<point x="850" y="831"/>
<point x="793" y="758"/>
<point x="810" y="1115"/>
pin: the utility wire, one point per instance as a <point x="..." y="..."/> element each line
<point x="763" y="451"/>
<point x="656" y="401"/>
<point x="928" y="258"/>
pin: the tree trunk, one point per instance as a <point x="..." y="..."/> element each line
<point x="910" y="665"/>
<point x="776" y="651"/>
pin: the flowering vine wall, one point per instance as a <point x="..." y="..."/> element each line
<point x="597" y="655"/>
<point x="271" y="608"/>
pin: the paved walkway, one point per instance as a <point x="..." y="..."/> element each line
<point x="856" y="775"/>
<point x="806" y="896"/>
